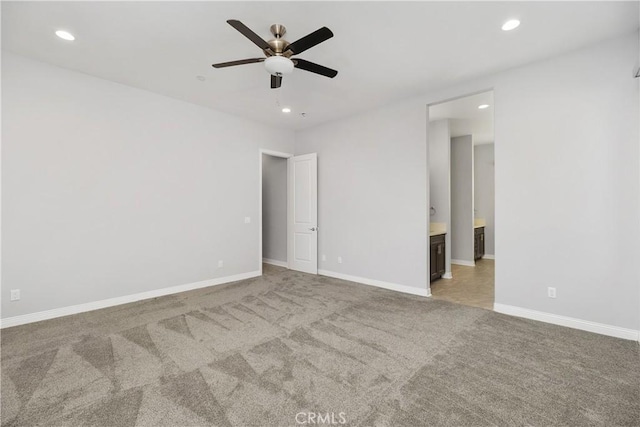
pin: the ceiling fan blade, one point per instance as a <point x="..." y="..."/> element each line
<point x="256" y="39"/>
<point x="314" y="68"/>
<point x="310" y="40"/>
<point x="276" y="81"/>
<point x="239" y="62"/>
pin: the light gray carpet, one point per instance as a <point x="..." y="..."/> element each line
<point x="260" y="351"/>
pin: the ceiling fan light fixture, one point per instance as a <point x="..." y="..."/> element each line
<point x="278" y="65"/>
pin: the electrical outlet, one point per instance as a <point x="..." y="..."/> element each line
<point x="247" y="219"/>
<point x="551" y="292"/>
<point x="339" y="260"/>
<point x="220" y="264"/>
<point x="324" y="257"/>
<point x="15" y="294"/>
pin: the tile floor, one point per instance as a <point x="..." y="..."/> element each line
<point x="473" y="286"/>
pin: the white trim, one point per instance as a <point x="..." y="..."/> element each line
<point x="447" y="275"/>
<point x="463" y="262"/>
<point x="489" y="256"/>
<point x="275" y="262"/>
<point x="273" y="153"/>
<point x="570" y="322"/>
<point x="378" y="283"/>
<point x="95" y="305"/>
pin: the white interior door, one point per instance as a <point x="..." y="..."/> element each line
<point x="302" y="228"/>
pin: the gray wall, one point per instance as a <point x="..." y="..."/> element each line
<point x="274" y="208"/>
<point x="484" y="191"/>
<point x="372" y="194"/>
<point x="462" y="238"/>
<point x="440" y="179"/>
<point x="567" y="175"/>
<point x="110" y="191"/>
<point x="567" y="181"/>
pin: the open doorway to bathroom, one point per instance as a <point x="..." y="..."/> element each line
<point x="461" y="200"/>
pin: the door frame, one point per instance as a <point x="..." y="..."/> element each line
<point x="495" y="227"/>
<point x="281" y="155"/>
<point x="448" y="274"/>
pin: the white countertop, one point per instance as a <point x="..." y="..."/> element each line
<point x="437" y="228"/>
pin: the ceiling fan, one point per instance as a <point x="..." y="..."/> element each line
<point x="278" y="52"/>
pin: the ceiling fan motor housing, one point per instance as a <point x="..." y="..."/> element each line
<point x="278" y="45"/>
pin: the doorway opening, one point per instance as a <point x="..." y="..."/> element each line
<point x="273" y="209"/>
<point x="461" y="200"/>
<point x="288" y="211"/>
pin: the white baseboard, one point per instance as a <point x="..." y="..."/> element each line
<point x="489" y="256"/>
<point x="275" y="262"/>
<point x="447" y="275"/>
<point x="95" y="305"/>
<point x="570" y="322"/>
<point x="378" y="283"/>
<point x="463" y="262"/>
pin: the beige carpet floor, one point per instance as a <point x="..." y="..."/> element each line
<point x="474" y="286"/>
<point x="262" y="351"/>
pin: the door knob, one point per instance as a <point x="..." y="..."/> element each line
<point x="313" y="229"/>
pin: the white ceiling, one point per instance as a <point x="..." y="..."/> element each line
<point x="384" y="51"/>
<point x="465" y="118"/>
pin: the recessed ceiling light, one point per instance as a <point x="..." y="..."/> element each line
<point x="65" y="35"/>
<point x="483" y="106"/>
<point x="511" y="24"/>
<point x="286" y="110"/>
